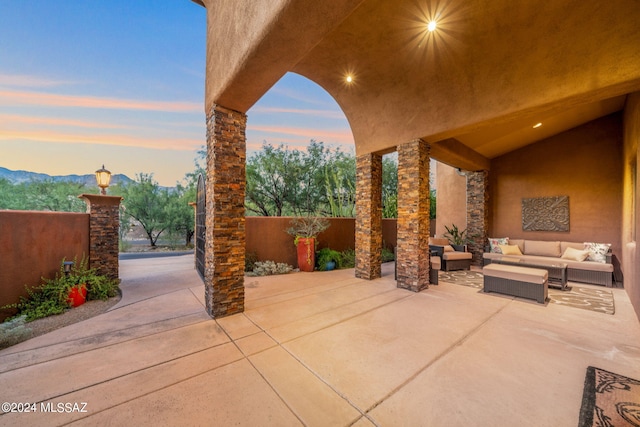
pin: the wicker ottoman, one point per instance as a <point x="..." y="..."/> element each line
<point x="524" y="282"/>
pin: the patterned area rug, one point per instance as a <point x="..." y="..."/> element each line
<point x="600" y="300"/>
<point x="609" y="399"/>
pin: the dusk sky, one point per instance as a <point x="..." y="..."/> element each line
<point x="121" y="82"/>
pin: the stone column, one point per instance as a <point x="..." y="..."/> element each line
<point x="104" y="224"/>
<point x="413" y="216"/>
<point x="225" y="223"/>
<point x="369" y="216"/>
<point x="477" y="213"/>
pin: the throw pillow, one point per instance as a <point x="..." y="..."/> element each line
<point x="575" y="254"/>
<point x="495" y="243"/>
<point x="448" y="248"/>
<point x="510" y="250"/>
<point x="597" y="251"/>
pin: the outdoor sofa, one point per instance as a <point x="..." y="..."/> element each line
<point x="586" y="262"/>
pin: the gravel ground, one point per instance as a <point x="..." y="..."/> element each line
<point x="51" y="323"/>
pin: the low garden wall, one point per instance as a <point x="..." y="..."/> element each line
<point x="267" y="237"/>
<point x="32" y="246"/>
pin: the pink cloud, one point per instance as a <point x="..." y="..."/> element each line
<point x="180" y="144"/>
<point x="11" y="98"/>
<point x="340" y="136"/>
<point x="30" y="81"/>
<point x="13" y="119"/>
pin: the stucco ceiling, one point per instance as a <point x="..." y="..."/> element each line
<point x="473" y="88"/>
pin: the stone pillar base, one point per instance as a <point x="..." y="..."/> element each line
<point x="369" y="216"/>
<point x="413" y="216"/>
<point x="477" y="213"/>
<point x="225" y="223"/>
<point x="104" y="237"/>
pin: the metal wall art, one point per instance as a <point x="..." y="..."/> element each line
<point x="545" y="214"/>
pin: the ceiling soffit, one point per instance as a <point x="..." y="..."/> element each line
<point x="489" y="65"/>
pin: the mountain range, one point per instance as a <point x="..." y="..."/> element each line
<point x="17" y="177"/>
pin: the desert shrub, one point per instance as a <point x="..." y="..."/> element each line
<point x="250" y="259"/>
<point x="51" y="296"/>
<point x="13" y="332"/>
<point x="268" y="268"/>
<point x="387" y="255"/>
<point x="348" y="258"/>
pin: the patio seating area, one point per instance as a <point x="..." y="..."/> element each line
<point x="320" y="348"/>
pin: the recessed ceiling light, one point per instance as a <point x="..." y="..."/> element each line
<point x="431" y="26"/>
<point x="537" y="125"/>
<point x="349" y="78"/>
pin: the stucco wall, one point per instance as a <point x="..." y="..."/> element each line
<point x="268" y="239"/>
<point x="451" y="199"/>
<point x="33" y="244"/>
<point x="583" y="163"/>
<point x="631" y="219"/>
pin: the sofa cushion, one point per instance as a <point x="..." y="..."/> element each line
<point x="448" y="248"/>
<point x="457" y="255"/>
<point x="510" y="250"/>
<point x="538" y="247"/>
<point x="574" y="245"/>
<point x="575" y="254"/>
<point x="521" y="274"/>
<point x="438" y="241"/>
<point x="584" y="265"/>
<point x="597" y="251"/>
<point x="495" y="243"/>
<point x="518" y="242"/>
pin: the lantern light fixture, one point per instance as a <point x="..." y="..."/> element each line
<point x="103" y="178"/>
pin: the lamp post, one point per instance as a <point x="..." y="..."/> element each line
<point x="103" y="177"/>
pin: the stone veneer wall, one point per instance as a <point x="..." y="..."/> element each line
<point x="477" y="213"/>
<point x="369" y="216"/>
<point x="225" y="234"/>
<point x="104" y="225"/>
<point x="413" y="216"/>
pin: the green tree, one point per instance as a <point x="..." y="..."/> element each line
<point x="389" y="187"/>
<point x="340" y="184"/>
<point x="269" y="175"/>
<point x="47" y="195"/>
<point x="145" y="202"/>
<point x="180" y="215"/>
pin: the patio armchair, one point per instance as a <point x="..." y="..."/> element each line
<point x="454" y="257"/>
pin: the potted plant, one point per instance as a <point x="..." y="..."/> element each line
<point x="457" y="237"/>
<point x="328" y="259"/>
<point x="305" y="230"/>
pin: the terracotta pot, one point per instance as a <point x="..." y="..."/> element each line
<point x="306" y="253"/>
<point x="77" y="295"/>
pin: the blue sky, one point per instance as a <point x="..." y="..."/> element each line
<point x="121" y="82"/>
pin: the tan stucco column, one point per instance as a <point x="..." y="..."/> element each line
<point x="369" y="216"/>
<point x="477" y="213"/>
<point x="225" y="223"/>
<point x="413" y="216"/>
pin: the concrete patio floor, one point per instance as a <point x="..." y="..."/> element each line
<point x="322" y="349"/>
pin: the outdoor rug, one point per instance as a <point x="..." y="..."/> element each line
<point x="609" y="399"/>
<point x="599" y="300"/>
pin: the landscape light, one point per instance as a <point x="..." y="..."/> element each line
<point x="67" y="267"/>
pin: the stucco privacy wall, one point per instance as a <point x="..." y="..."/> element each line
<point x="630" y="218"/>
<point x="268" y="239"/>
<point x="33" y="244"/>
<point x="583" y="163"/>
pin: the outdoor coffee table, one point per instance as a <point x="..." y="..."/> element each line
<point x="557" y="270"/>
